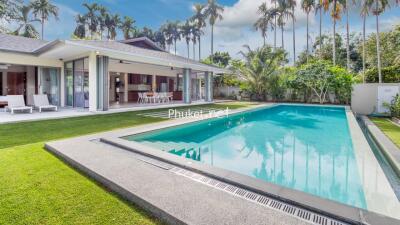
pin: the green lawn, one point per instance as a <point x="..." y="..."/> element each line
<point x="390" y="129"/>
<point x="38" y="188"/>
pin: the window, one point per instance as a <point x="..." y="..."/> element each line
<point x="69" y="84"/>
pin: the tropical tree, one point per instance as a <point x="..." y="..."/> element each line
<point x="199" y="20"/>
<point x="10" y="9"/>
<point x="113" y="25"/>
<point x="263" y="21"/>
<point x="378" y="7"/>
<point x="275" y="20"/>
<point x="43" y="10"/>
<point x="196" y="33"/>
<point x="127" y="26"/>
<point x="159" y="38"/>
<point x="347" y="35"/>
<point x="167" y="29"/>
<point x="292" y="5"/>
<point x="364" y="14"/>
<point x="103" y="14"/>
<point x="213" y="12"/>
<point x="92" y="18"/>
<point x="258" y="67"/>
<point x="307" y="6"/>
<point x="282" y="12"/>
<point x="80" y="30"/>
<point x="337" y="6"/>
<point x="186" y="32"/>
<point x="25" y="23"/>
<point x="175" y="32"/>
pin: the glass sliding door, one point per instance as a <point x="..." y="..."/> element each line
<point x="81" y="83"/>
<point x="69" y="84"/>
<point x="50" y="84"/>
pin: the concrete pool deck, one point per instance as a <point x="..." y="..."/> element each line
<point x="184" y="200"/>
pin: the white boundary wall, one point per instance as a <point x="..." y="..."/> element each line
<point x="364" y="99"/>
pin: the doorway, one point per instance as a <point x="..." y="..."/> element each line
<point x="16" y="83"/>
<point x="50" y="84"/>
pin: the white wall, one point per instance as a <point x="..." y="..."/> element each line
<point x="364" y="99"/>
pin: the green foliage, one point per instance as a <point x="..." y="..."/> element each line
<point x="341" y="84"/>
<point x="394" y="106"/>
<point x="259" y="68"/>
<point x="390" y="74"/>
<point x="220" y="59"/>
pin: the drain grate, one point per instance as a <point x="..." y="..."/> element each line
<point x="303" y="214"/>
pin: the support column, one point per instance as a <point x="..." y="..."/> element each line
<point x="153" y="83"/>
<point x="126" y="85"/>
<point x="208" y="81"/>
<point x="187" y="86"/>
<point x="62" y="86"/>
<point x="102" y="85"/>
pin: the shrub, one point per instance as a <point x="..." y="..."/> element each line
<point x="390" y="74"/>
<point x="394" y="106"/>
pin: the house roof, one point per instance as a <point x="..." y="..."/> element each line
<point x="44" y="48"/>
<point x="146" y="40"/>
<point x="20" y="44"/>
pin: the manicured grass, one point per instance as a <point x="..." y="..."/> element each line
<point x="38" y="188"/>
<point x="31" y="132"/>
<point x="390" y="129"/>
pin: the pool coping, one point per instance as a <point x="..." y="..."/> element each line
<point x="297" y="198"/>
<point x="387" y="147"/>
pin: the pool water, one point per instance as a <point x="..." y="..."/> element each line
<point x="307" y="148"/>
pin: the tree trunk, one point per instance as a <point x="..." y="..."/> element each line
<point x="199" y="48"/>
<point x="363" y="46"/>
<point x="175" y="46"/>
<point x="378" y="47"/>
<point x="347" y="36"/>
<point x="308" y="14"/>
<point x="275" y="31"/>
<point x="264" y="39"/>
<point x="194" y="51"/>
<point x="212" y="39"/>
<point x="188" y="52"/>
<point x="42" y="28"/>
<point x="294" y="37"/>
<point x="334" y="34"/>
<point x="320" y="32"/>
<point x="283" y="45"/>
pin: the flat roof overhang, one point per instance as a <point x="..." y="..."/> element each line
<point x="68" y="50"/>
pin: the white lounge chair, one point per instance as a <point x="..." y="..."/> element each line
<point x="17" y="103"/>
<point x="42" y="102"/>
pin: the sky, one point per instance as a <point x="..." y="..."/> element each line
<point x="234" y="31"/>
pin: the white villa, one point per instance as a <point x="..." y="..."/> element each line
<point x="99" y="75"/>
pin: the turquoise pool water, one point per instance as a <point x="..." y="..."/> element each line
<point x="305" y="148"/>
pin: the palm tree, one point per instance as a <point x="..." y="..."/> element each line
<point x="275" y="22"/>
<point x="263" y="21"/>
<point x="43" y="9"/>
<point x="25" y="24"/>
<point x="102" y="20"/>
<point x="292" y="5"/>
<point x="199" y="20"/>
<point x="80" y="30"/>
<point x="167" y="30"/>
<point x="364" y="14"/>
<point x="213" y="12"/>
<point x="127" y="26"/>
<point x="196" y="33"/>
<point x="92" y="18"/>
<point x="175" y="32"/>
<point x="282" y="12"/>
<point x="378" y="7"/>
<point x="115" y="22"/>
<point x="336" y="15"/>
<point x="307" y="6"/>
<point x="186" y="32"/>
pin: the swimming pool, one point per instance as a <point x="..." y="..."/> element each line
<point x="300" y="147"/>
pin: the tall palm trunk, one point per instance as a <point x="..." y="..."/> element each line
<point x="264" y="39"/>
<point x="199" y="48"/>
<point x="42" y="22"/>
<point x="308" y="14"/>
<point x="378" y="47"/>
<point x="347" y="36"/>
<point x="294" y="36"/>
<point x="194" y="51"/>
<point x="334" y="34"/>
<point x="320" y="32"/>
<point x="188" y="52"/>
<point x="175" y="46"/>
<point x="275" y="30"/>
<point x="283" y="43"/>
<point x="363" y="46"/>
<point x="212" y="39"/>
